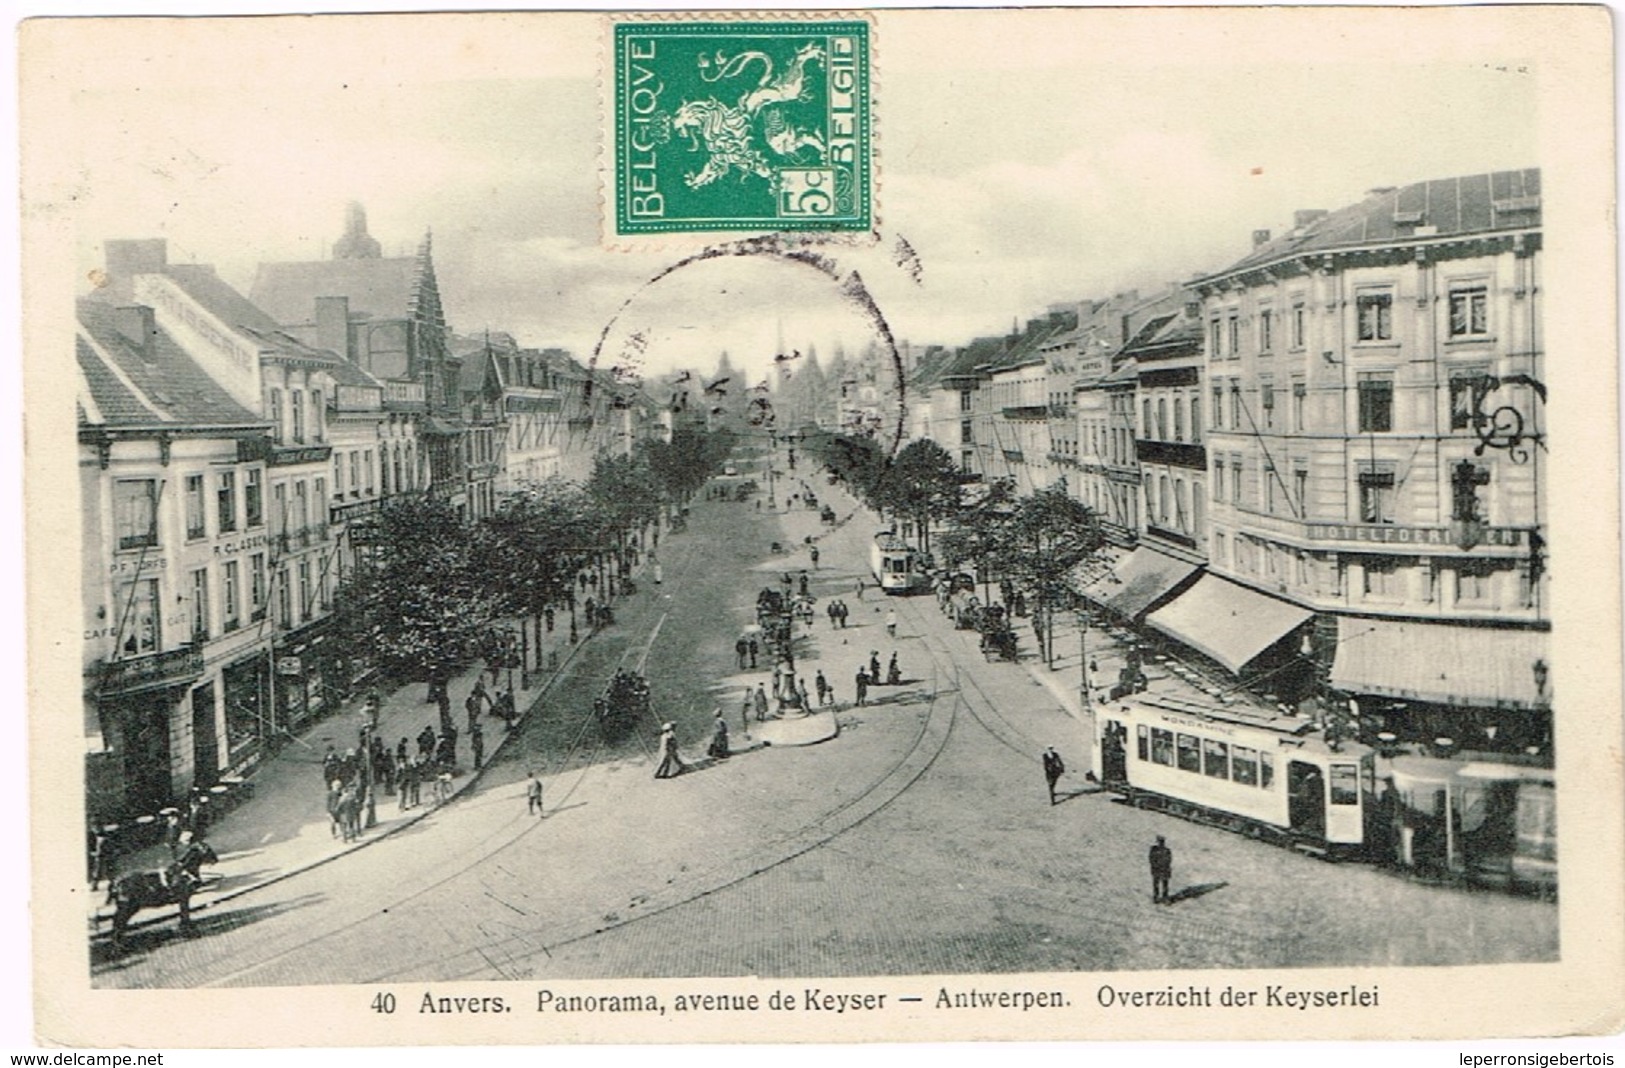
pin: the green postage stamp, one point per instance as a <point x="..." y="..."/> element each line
<point x="742" y="126"/>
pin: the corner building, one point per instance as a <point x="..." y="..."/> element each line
<point x="1377" y="451"/>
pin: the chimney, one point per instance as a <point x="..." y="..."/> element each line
<point x="136" y="324"/>
<point x="1261" y="237"/>
<point x="126" y="259"/>
<point x="1304" y="216"/>
<point x="333" y="325"/>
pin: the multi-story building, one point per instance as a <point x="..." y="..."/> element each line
<point x="176" y="565"/>
<point x="1167" y="356"/>
<point x="1376" y="436"/>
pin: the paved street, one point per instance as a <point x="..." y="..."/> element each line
<point x="918" y="840"/>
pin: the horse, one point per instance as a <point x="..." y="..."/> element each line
<point x="174" y="885"/>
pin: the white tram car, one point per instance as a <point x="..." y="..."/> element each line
<point x="1254" y="773"/>
<point x="898" y="567"/>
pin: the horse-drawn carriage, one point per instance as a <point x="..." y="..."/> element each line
<point x="826" y="515"/>
<point x="173" y="884"/>
<point x="998" y="640"/>
<point x="623" y="703"/>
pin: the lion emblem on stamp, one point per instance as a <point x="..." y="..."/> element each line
<point x="742" y="126"/>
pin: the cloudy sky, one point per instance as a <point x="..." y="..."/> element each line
<point x="1028" y="159"/>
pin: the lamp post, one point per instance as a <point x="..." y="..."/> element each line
<point x="772" y="460"/>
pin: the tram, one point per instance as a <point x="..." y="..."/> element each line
<point x="1268" y="776"/>
<point x="898" y="567"/>
<point x="1260" y="774"/>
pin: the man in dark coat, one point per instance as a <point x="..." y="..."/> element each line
<point x="742" y="649"/>
<point x="863" y="687"/>
<point x="1162" y="869"/>
<point x="1053" y="770"/>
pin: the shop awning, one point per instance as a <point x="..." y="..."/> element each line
<point x="1443" y="663"/>
<point x="1139" y="582"/>
<point x="1095" y="569"/>
<point x="1226" y="621"/>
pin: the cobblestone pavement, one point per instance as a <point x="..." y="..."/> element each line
<point x="919" y="840"/>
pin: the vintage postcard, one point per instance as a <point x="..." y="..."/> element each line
<point x="858" y="525"/>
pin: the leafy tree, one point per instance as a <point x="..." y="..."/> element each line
<point x="418" y="606"/>
<point x="693" y="456"/>
<point x="922" y="484"/>
<point x="1049" y="534"/>
<point x="530" y="551"/>
<point x="981" y="533"/>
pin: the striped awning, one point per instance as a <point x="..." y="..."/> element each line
<point x="1444" y="663"/>
<point x="1227" y="621"/>
<point x="1139" y="582"/>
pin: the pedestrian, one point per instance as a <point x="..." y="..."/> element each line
<point x="172" y="830"/>
<point x="860" y="588"/>
<point x="741" y="649"/>
<point x="813" y="553"/>
<point x="891" y="623"/>
<point x="844" y="613"/>
<point x="863" y="687"/>
<point x="719" y="736"/>
<point x="744" y="712"/>
<point x="505" y="708"/>
<point x="415" y="780"/>
<point x="1162" y="869"/>
<point x="426" y="741"/>
<point x="874" y="667"/>
<point x="442" y="785"/>
<point x="330" y="764"/>
<point x="660" y="573"/>
<point x="754" y="650"/>
<point x="830" y="611"/>
<point x="802" y="584"/>
<point x="533" y="795"/>
<point x="401" y="752"/>
<point x="821" y="684"/>
<point x="476" y="738"/>
<point x="405" y="775"/>
<point x="778" y="680"/>
<point x="894" y="674"/>
<point x="335" y="795"/>
<point x="801" y="696"/>
<point x="101" y="857"/>
<point x="761" y="703"/>
<point x="671" y="763"/>
<point x="1053" y="770"/>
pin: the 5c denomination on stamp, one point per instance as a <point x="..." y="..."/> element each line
<point x="742" y="126"/>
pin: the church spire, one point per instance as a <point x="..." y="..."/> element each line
<point x="356" y="244"/>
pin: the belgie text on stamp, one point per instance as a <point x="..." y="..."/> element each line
<point x="742" y="126"/>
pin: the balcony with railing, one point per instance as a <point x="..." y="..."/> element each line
<point x="156" y="671"/>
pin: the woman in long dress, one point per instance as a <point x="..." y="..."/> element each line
<point x="719" y="737"/>
<point x="670" y="763"/>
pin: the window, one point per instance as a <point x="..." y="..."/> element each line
<point x="1218" y="407"/>
<point x="338" y="476"/>
<point x="1266" y="401"/>
<point x="1235" y="404"/>
<point x="297" y="405"/>
<point x="1381" y="576"/>
<point x="1166" y="510"/>
<point x="355" y="473"/>
<point x="1464" y="384"/>
<point x="284" y="599"/>
<point x="276" y="414"/>
<point x="1218" y="480"/>
<point x="383" y="470"/>
<point x="1269" y="488"/>
<point x="138" y="617"/>
<point x="1196" y="418"/>
<point x="1376" y="494"/>
<point x="1215" y="339"/>
<point x="1189" y="753"/>
<point x="1162" y="418"/>
<point x="1266" y="769"/>
<point x="1469" y="311"/>
<point x="1376" y="403"/>
<point x="1179" y="419"/>
<point x="304" y="588"/>
<point x="1221" y="548"/>
<point x="411" y="468"/>
<point x="1143" y="742"/>
<point x="135" y="512"/>
<point x="1300" y="489"/>
<point x="319" y="498"/>
<point x="366" y="466"/>
<point x="964" y="400"/>
<point x="1300" y="393"/>
<point x="317" y="413"/>
<point x="200" y="604"/>
<point x="1215" y="759"/>
<point x="196" y="525"/>
<point x="1474" y="581"/>
<point x="301" y="507"/>
<point x="1266" y="330"/>
<point x="1345" y="784"/>
<point x="1244" y="765"/>
<point x="1162" y="747"/>
<point x="399" y="485"/>
<point x="1374" y="313"/>
<point x="279" y="509"/>
<point x="231" y="609"/>
<point x="253" y="503"/>
<point x="966" y="437"/>
<point x="1198" y="512"/>
<point x="1146" y="428"/>
<point x="1236" y="480"/>
<point x="1299" y="315"/>
<point x="256" y="585"/>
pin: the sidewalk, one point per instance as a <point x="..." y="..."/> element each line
<point x="283" y="828"/>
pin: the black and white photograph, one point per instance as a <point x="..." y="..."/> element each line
<point x="787" y="526"/>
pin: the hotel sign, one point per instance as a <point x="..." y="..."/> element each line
<point x="1387" y="534"/>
